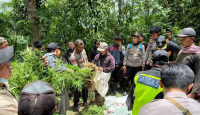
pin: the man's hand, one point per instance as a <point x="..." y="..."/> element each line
<point x="70" y="71"/>
<point x="191" y="95"/>
<point x="45" y="61"/>
<point x="124" y="67"/>
<point x="100" y="69"/>
<point x="120" y="48"/>
<point x="143" y="64"/>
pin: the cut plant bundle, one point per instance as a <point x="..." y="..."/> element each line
<point x="28" y="68"/>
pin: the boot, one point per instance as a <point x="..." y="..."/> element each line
<point x="76" y="109"/>
<point x="115" y="88"/>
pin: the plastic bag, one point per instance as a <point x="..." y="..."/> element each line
<point x="101" y="84"/>
<point x="116" y="106"/>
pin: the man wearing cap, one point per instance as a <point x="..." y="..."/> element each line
<point x="3" y="43"/>
<point x="117" y="50"/>
<point x="94" y="51"/>
<point x="141" y="40"/>
<point x="176" y="80"/>
<point x="54" y="53"/>
<point x="155" y="32"/>
<point x="104" y="59"/>
<point x="169" y="35"/>
<point x="8" y="103"/>
<point x="69" y="52"/>
<point x="37" y="98"/>
<point x="78" y="58"/>
<point x="133" y="60"/>
<point x="39" y="45"/>
<point x="146" y="85"/>
<point x="190" y="55"/>
<point x="171" y="47"/>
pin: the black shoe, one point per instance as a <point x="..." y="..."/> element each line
<point x="76" y="109"/>
<point x="124" y="93"/>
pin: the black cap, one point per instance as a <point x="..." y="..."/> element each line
<point x="38" y="44"/>
<point x="53" y="46"/>
<point x="155" y="29"/>
<point x="161" y="42"/>
<point x="118" y="37"/>
<point x="187" y="32"/>
<point x="160" y="55"/>
<point x="169" y="29"/>
<point x="96" y="42"/>
<point x="37" y="98"/>
<point x="6" y="54"/>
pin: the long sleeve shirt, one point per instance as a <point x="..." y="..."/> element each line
<point x="107" y="62"/>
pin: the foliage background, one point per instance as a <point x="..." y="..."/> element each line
<point x="66" y="20"/>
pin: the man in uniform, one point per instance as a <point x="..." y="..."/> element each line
<point x="69" y="52"/>
<point x="78" y="57"/>
<point x="147" y="83"/>
<point x="133" y="60"/>
<point x="190" y="55"/>
<point x="169" y="35"/>
<point x="176" y="81"/>
<point x="8" y="103"/>
<point x="3" y="43"/>
<point x="155" y="32"/>
<point x="169" y="46"/>
<point x="117" y="50"/>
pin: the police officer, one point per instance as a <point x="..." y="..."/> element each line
<point x="77" y="58"/>
<point x="146" y="85"/>
<point x="169" y="46"/>
<point x="155" y="32"/>
<point x="133" y="60"/>
<point x="169" y="35"/>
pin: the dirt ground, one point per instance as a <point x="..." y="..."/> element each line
<point x="81" y="108"/>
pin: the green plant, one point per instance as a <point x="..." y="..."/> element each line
<point x="29" y="68"/>
<point x="94" y="110"/>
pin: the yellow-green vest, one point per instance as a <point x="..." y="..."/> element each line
<point x="147" y="87"/>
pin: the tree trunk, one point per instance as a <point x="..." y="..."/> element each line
<point x="32" y="12"/>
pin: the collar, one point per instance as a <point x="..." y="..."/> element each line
<point x="163" y="48"/>
<point x="156" y="68"/>
<point x="176" y="94"/>
<point x="136" y="44"/>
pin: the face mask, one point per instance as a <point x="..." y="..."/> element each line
<point x="3" y="80"/>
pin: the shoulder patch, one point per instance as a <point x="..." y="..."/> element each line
<point x="148" y="81"/>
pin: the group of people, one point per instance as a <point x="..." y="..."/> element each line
<point x="159" y="69"/>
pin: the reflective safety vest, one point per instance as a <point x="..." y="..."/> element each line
<point x="147" y="87"/>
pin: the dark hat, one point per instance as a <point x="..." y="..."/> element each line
<point x="169" y="29"/>
<point x="96" y="42"/>
<point x="53" y="46"/>
<point x="136" y="35"/>
<point x="6" y="54"/>
<point x="161" y="42"/>
<point x="187" y="32"/>
<point x="161" y="55"/>
<point x="155" y="29"/>
<point x="118" y="37"/>
<point x="38" y="44"/>
<point x="37" y="98"/>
